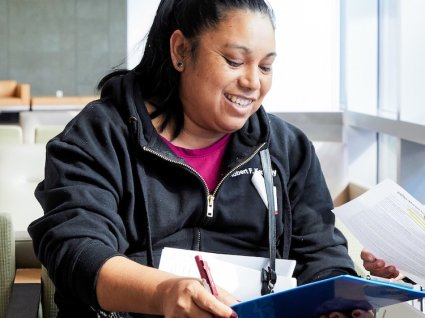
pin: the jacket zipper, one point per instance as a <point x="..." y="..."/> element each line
<point x="180" y="164"/>
<point x="210" y="206"/>
<point x="231" y="172"/>
<point x="210" y="197"/>
<point x="198" y="240"/>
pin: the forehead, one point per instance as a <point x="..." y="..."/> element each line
<point x="245" y="26"/>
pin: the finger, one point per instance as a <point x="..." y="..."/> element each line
<point x="226" y="297"/>
<point x="184" y="305"/>
<point x="393" y="272"/>
<point x="380" y="273"/>
<point x="367" y="256"/>
<point x="386" y="272"/>
<point x="371" y="266"/>
<point x="208" y="302"/>
<point x="193" y="311"/>
<point x="358" y="313"/>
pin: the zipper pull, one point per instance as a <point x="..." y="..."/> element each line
<point x="210" y="207"/>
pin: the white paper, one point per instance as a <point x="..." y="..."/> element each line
<point x="239" y="275"/>
<point x="257" y="180"/>
<point x="390" y="223"/>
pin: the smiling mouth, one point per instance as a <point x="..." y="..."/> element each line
<point x="238" y="100"/>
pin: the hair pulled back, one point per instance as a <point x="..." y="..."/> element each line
<point x="159" y="81"/>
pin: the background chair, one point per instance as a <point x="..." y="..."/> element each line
<point x="19" y="288"/>
<point x="21" y="169"/>
<point x="49" y="308"/>
<point x="54" y="121"/>
<point x="10" y="134"/>
<point x="7" y="262"/>
<point x="21" y="277"/>
<point x="44" y="133"/>
<point x="14" y="96"/>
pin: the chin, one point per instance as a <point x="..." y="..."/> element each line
<point x="234" y="126"/>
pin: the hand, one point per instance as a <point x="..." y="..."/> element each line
<point x="187" y="297"/>
<point x="377" y="267"/>
<point x="357" y="313"/>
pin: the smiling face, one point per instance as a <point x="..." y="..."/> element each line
<point x="224" y="82"/>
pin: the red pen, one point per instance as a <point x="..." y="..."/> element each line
<point x="205" y="273"/>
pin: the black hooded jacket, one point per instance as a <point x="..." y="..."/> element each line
<point x="113" y="187"/>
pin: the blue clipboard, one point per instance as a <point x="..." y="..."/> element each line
<point x="342" y="293"/>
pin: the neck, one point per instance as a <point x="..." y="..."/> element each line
<point x="189" y="140"/>
<point x="190" y="137"/>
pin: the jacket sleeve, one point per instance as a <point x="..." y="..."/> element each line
<point x="81" y="228"/>
<point x="319" y="248"/>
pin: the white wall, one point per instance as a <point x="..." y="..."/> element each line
<point x="361" y="55"/>
<point x="412" y="77"/>
<point x="362" y="156"/>
<point x="307" y="66"/>
<point x="140" y="16"/>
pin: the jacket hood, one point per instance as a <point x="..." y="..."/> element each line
<point x="125" y="93"/>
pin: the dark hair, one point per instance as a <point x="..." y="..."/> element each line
<point x="158" y="79"/>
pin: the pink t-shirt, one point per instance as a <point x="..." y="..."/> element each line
<point x="206" y="161"/>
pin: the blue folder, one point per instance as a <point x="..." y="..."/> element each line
<point x="342" y="293"/>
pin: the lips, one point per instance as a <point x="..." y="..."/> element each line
<point x="238" y="100"/>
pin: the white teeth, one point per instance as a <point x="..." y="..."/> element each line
<point x="238" y="100"/>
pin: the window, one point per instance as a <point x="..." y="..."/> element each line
<point x="383" y="90"/>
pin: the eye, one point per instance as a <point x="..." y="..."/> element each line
<point x="266" y="69"/>
<point x="232" y="63"/>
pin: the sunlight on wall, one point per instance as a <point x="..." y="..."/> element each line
<point x="140" y="15"/>
<point x="307" y="68"/>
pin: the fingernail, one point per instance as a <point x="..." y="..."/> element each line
<point x="234" y="315"/>
<point x="356" y="313"/>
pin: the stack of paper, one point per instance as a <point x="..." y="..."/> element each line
<point x="390" y="223"/>
<point x="239" y="275"/>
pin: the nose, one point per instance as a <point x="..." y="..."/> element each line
<point x="250" y="79"/>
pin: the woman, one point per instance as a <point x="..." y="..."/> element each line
<point x="165" y="158"/>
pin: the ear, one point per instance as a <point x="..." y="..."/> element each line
<point x="179" y="46"/>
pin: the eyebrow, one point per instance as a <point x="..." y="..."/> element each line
<point x="246" y="50"/>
